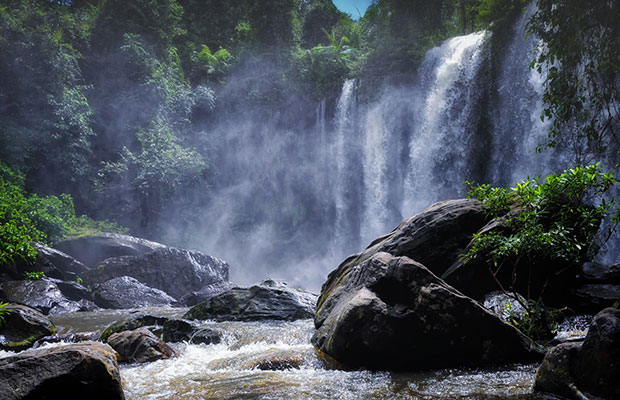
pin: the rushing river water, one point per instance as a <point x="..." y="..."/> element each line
<point x="234" y="369"/>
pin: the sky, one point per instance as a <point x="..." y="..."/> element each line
<point x="349" y="7"/>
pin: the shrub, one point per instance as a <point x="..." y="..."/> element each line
<point x="550" y="225"/>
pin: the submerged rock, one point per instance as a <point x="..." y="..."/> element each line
<point x="180" y="330"/>
<point x="271" y="299"/>
<point x="133" y="323"/>
<point x="584" y="370"/>
<point x="127" y="292"/>
<point x="49" y="296"/>
<point x="93" y="249"/>
<point x="23" y="327"/>
<point x="74" y="371"/>
<point x="175" y="271"/>
<point x="139" y="346"/>
<point x="393" y="313"/>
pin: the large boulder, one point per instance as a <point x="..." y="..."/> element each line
<point x="393" y="313"/>
<point x="193" y="298"/>
<point x="22" y="327"/>
<point x="49" y="296"/>
<point x="93" y="249"/>
<point x="53" y="263"/>
<point x="435" y="237"/>
<point x="175" y="271"/>
<point x="75" y="371"/>
<point x="127" y="292"/>
<point x="270" y="300"/>
<point x="139" y="346"/>
<point x="592" y="368"/>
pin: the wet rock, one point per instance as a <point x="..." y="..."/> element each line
<point x="179" y="330"/>
<point x="23" y="327"/>
<point x="585" y="370"/>
<point x="93" y="249"/>
<point x="127" y="292"/>
<point x="132" y="323"/>
<point x="393" y="313"/>
<point x="270" y="300"/>
<point x="49" y="296"/>
<point x="139" y="346"/>
<point x="278" y="363"/>
<point x="600" y="273"/>
<point x="175" y="271"/>
<point x="594" y="297"/>
<point x="53" y="263"/>
<point x="76" y="337"/>
<point x="75" y="371"/>
<point x="193" y="298"/>
<point x="435" y="237"/>
<point x="505" y="305"/>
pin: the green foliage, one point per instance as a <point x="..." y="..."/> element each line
<point x="3" y="313"/>
<point x="581" y="60"/>
<point x="322" y="69"/>
<point x="537" y="322"/>
<point x="27" y="218"/>
<point x="153" y="175"/>
<point x="35" y="275"/>
<point x="45" y="118"/>
<point x="548" y="225"/>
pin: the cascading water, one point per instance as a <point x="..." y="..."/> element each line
<point x="292" y="202"/>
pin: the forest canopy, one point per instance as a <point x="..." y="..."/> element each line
<point x="113" y="101"/>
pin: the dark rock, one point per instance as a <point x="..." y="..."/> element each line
<point x="393" y="313"/>
<point x="269" y="300"/>
<point x="179" y="330"/>
<point x="598" y="362"/>
<point x="594" y="297"/>
<point x="49" y="296"/>
<point x="435" y="237"/>
<point x="193" y="298"/>
<point x="278" y="363"/>
<point x="93" y="249"/>
<point x="554" y="374"/>
<point x="127" y="292"/>
<point x="600" y="273"/>
<point x="71" y="372"/>
<point x="139" y="346"/>
<point x="175" y="271"/>
<point x="76" y="337"/>
<point x="23" y="327"/>
<point x="132" y="323"/>
<point x="53" y="263"/>
<point x="585" y="370"/>
<point x="69" y="267"/>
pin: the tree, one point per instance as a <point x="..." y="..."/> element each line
<point x="581" y="60"/>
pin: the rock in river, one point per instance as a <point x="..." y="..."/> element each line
<point x="268" y="300"/>
<point x="175" y="271"/>
<point x="393" y="313"/>
<point x="93" y="249"/>
<point x="75" y="371"/>
<point x="127" y="292"/>
<point x="49" y="296"/>
<point x="579" y="371"/>
<point x="139" y="346"/>
<point x="23" y="327"/>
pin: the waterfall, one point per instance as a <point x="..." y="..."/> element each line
<point x="444" y="128"/>
<point x="516" y="127"/>
<point x="344" y="140"/>
<point x="299" y="196"/>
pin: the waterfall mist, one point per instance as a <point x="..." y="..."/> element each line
<point x="297" y="191"/>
